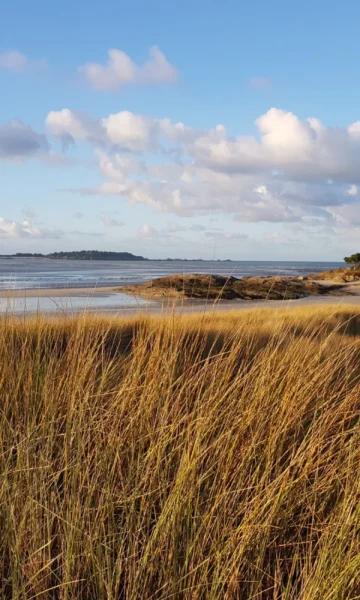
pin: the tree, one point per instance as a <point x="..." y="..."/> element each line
<point x="353" y="259"/>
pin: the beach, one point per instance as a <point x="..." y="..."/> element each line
<point x="110" y="300"/>
<point x="51" y="286"/>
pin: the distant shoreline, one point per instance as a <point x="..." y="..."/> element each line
<point x="105" y="256"/>
<point x="78" y="255"/>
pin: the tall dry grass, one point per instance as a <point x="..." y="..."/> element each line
<point x="211" y="457"/>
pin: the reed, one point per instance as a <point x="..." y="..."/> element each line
<point x="186" y="457"/>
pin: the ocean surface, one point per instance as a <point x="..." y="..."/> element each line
<point x="30" y="273"/>
<point x="41" y="273"/>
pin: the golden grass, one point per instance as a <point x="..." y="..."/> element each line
<point x="195" y="457"/>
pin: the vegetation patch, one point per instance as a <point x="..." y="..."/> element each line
<point x="213" y="287"/>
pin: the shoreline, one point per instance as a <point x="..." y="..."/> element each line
<point x="157" y="305"/>
<point x="137" y="291"/>
<point x="86" y="291"/>
<point x="181" y="294"/>
<point x="59" y="292"/>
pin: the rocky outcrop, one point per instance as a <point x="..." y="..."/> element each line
<point x="345" y="275"/>
<point x="219" y="287"/>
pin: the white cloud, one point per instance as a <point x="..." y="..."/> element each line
<point x="64" y="123"/>
<point x="129" y="130"/>
<point x="69" y="125"/>
<point x="25" y="229"/>
<point x="119" y="166"/>
<point x="285" y="136"/>
<point x="190" y="189"/>
<point x="124" y="129"/>
<point x="18" y="140"/>
<point x="120" y="70"/>
<point x="354" y="129"/>
<point x="175" y="132"/>
<point x="287" y="145"/>
<point x="281" y="174"/>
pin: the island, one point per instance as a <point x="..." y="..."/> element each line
<point x="79" y="255"/>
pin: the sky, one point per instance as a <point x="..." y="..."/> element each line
<point x="190" y="129"/>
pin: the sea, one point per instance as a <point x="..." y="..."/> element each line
<point x="42" y="273"/>
<point x="30" y="273"/>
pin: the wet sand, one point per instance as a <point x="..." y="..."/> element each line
<point x="110" y="300"/>
<point x="80" y="292"/>
<point x="352" y="288"/>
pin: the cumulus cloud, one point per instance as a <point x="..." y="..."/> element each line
<point x="125" y="130"/>
<point x="120" y="70"/>
<point x="292" y="170"/>
<point x="71" y="126"/>
<point x="128" y="130"/>
<point x="287" y="146"/>
<point x="18" y="140"/>
<point x="25" y="229"/>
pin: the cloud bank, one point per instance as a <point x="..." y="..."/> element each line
<point x="292" y="170"/>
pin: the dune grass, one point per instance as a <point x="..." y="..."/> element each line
<point x="183" y="457"/>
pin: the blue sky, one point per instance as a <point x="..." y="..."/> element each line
<point x="192" y="129"/>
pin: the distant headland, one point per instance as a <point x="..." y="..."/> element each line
<point x="101" y="255"/>
<point x="80" y="255"/>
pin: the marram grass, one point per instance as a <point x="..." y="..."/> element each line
<point x="201" y="457"/>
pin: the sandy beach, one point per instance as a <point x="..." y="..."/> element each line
<point x="110" y="300"/>
<point x="80" y="292"/>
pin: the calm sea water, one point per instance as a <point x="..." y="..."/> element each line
<point x="29" y="273"/>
